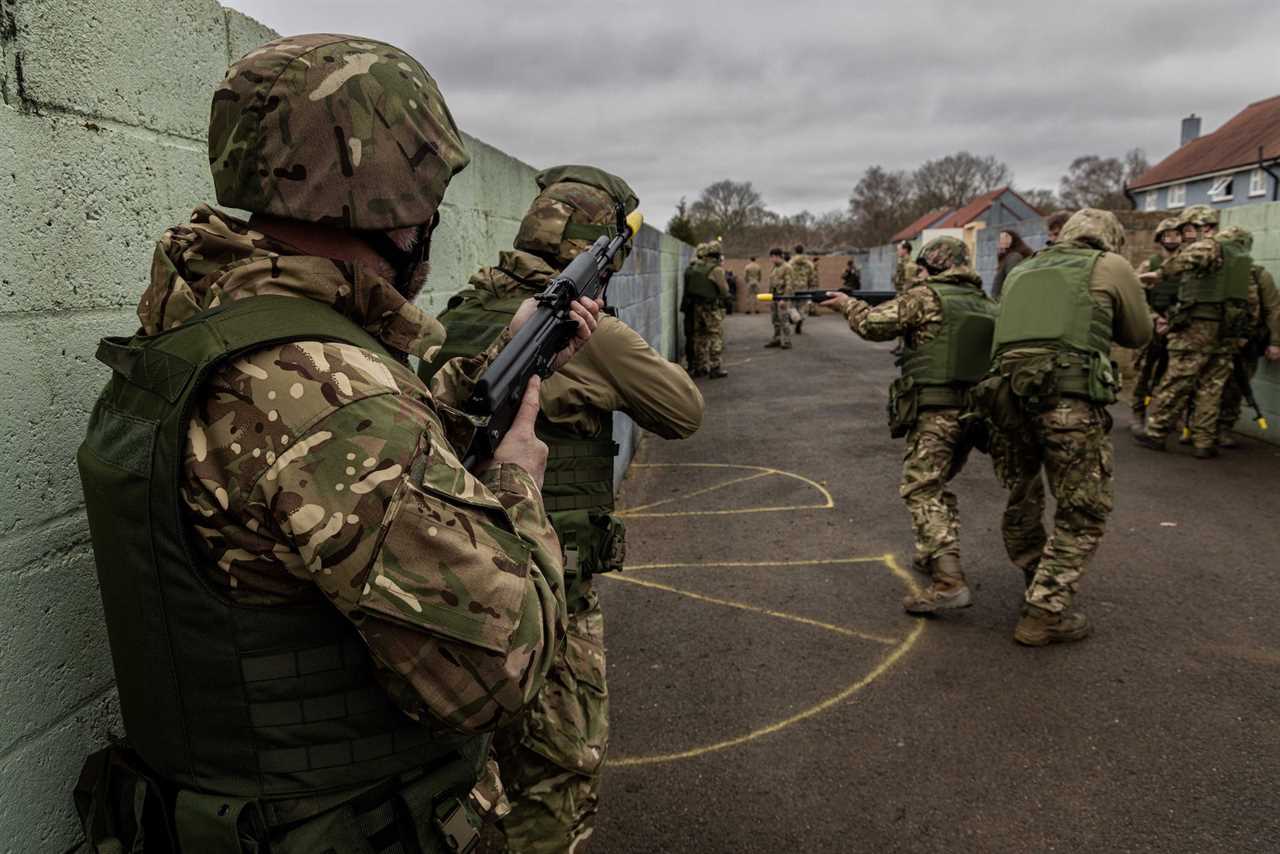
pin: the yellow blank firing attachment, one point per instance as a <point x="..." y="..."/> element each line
<point x="1262" y="424"/>
<point x="1147" y="400"/>
<point x="1186" y="432"/>
<point x="765" y="297"/>
<point x="634" y="221"/>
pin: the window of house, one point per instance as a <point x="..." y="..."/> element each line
<point x="1223" y="188"/>
<point x="1150" y="200"/>
<point x="1177" y="196"/>
<point x="1257" y="182"/>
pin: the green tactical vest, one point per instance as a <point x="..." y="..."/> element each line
<point x="1046" y="305"/>
<point x="698" y="284"/>
<point x="960" y="354"/>
<point x="1223" y="292"/>
<point x="258" y="702"/>
<point x="1163" y="294"/>
<point x="577" y="489"/>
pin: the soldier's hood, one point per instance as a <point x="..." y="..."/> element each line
<point x="516" y="271"/>
<point x="217" y="257"/>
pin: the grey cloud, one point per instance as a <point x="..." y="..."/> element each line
<point x="801" y="98"/>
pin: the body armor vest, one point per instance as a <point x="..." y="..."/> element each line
<point x="1226" y="288"/>
<point x="1164" y="293"/>
<point x="577" y="490"/>
<point x="959" y="355"/>
<point x="697" y="282"/>
<point x="1046" y="304"/>
<point x="254" y="701"/>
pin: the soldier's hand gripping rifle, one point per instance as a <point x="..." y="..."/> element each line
<point x="497" y="394"/>
<point x="869" y="297"/>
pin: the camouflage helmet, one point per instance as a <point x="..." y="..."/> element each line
<point x="575" y="207"/>
<point x="943" y="253"/>
<point x="334" y="129"/>
<point x="711" y="249"/>
<point x="1169" y="223"/>
<point x="1199" y="216"/>
<point x="1239" y="236"/>
<point x="1097" y="228"/>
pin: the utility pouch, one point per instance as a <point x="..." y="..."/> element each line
<point x="122" y="806"/>
<point x="1237" y="320"/>
<point x="904" y="406"/>
<point x="217" y="823"/>
<point x="1104" y="381"/>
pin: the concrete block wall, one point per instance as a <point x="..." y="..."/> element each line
<point x="102" y="121"/>
<point x="1263" y="220"/>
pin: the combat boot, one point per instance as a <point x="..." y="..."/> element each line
<point x="698" y="372"/>
<point x="1146" y="440"/>
<point x="1039" y="627"/>
<point x="1228" y="441"/>
<point x="947" y="592"/>
<point x="800" y="325"/>
<point x="1204" y="453"/>
<point x="774" y="343"/>
<point x="786" y="345"/>
<point x="718" y="373"/>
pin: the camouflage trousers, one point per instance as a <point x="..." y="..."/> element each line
<point x="1197" y="377"/>
<point x="753" y="301"/>
<point x="1071" y="445"/>
<point x="1233" y="398"/>
<point x="708" y="336"/>
<point x="928" y="464"/>
<point x="781" y="312"/>
<point x="551" y="761"/>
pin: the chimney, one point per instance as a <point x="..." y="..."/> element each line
<point x="1190" y="128"/>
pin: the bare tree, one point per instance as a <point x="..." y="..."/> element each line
<point x="952" y="181"/>
<point x="1098" y="182"/>
<point x="1044" y="200"/>
<point x="881" y="203"/>
<point x="726" y="207"/>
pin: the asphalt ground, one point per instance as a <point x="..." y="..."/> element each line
<point x="769" y="694"/>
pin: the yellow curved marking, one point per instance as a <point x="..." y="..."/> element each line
<point x="633" y="513"/>
<point x="738" y="564"/>
<point x="768" y="612"/>
<point x="697" y="492"/>
<point x="830" y="702"/>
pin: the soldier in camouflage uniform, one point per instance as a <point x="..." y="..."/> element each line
<point x="804" y="276"/>
<point x="907" y="271"/>
<point x="705" y="288"/>
<point x="946" y="323"/>
<point x="552" y="760"/>
<point x="754" y="276"/>
<point x="1211" y="313"/>
<point x="1046" y="397"/>
<point x="1264" y="328"/>
<point x="780" y="284"/>
<point x="1160" y="298"/>
<point x="347" y="611"/>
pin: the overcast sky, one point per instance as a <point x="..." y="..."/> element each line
<point x="801" y="97"/>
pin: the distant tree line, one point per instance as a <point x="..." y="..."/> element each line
<point x="883" y="201"/>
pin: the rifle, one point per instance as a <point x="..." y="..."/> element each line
<point x="1240" y="374"/>
<point x="496" y="397"/>
<point x="1154" y="365"/>
<point x="869" y="297"/>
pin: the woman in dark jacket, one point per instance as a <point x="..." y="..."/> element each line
<point x="1012" y="252"/>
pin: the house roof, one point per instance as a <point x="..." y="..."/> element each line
<point x="910" y="232"/>
<point x="1234" y="144"/>
<point x="980" y="205"/>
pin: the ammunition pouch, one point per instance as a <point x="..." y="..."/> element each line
<point x="1035" y="383"/>
<point x="907" y="398"/>
<point x="123" y="806"/>
<point x="594" y="541"/>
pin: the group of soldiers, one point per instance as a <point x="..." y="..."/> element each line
<point x="1028" y="380"/>
<point x="329" y="634"/>
<point x="1216" y="314"/>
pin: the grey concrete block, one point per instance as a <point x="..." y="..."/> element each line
<point x="49" y="380"/>
<point x="244" y="34"/>
<point x="81" y="208"/>
<point x="150" y="63"/>
<point x="55" y="654"/>
<point x="36" y="780"/>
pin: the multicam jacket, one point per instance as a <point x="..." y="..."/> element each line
<point x="319" y="468"/>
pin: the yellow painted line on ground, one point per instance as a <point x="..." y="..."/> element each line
<point x="768" y="612"/>
<point x="750" y="563"/>
<point x="888" y="663"/>
<point x="696" y="492"/>
<point x="634" y="513"/>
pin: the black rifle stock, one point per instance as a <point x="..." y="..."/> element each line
<point x="497" y="394"/>
<point x="1240" y="373"/>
